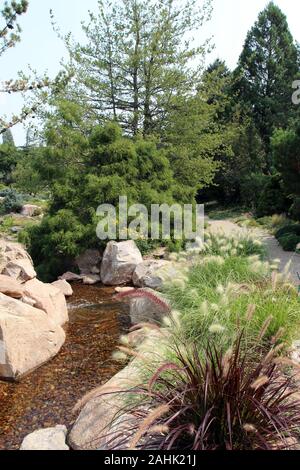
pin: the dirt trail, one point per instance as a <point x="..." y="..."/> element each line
<point x="273" y="248"/>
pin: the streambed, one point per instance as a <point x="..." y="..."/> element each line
<point x="47" y="396"/>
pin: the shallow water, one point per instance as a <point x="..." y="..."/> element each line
<point x="47" y="396"/>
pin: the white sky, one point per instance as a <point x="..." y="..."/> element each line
<point x="43" y="50"/>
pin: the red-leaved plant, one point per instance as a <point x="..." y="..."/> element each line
<point x="217" y="401"/>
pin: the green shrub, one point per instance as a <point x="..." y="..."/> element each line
<point x="251" y="187"/>
<point x="271" y="199"/>
<point x="295" y="209"/>
<point x="289" y="241"/>
<point x="288" y="229"/>
<point x="12" y="202"/>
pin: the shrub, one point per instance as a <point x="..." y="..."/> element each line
<point x="288" y="229"/>
<point x="295" y="209"/>
<point x="271" y="199"/>
<point x="219" y="401"/>
<point x="251" y="187"/>
<point x="289" y="241"/>
<point x="12" y="202"/>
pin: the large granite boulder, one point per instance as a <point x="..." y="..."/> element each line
<point x="15" y="262"/>
<point x="89" y="262"/>
<point x="153" y="273"/>
<point x="119" y="262"/>
<point x="29" y="338"/>
<point x="31" y="210"/>
<point x="11" y="287"/>
<point x="64" y="287"/>
<point x="46" y="439"/>
<point x="48" y="298"/>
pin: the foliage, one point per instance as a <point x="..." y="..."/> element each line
<point x="288" y="229"/>
<point x="219" y="401"/>
<point x="271" y="200"/>
<point x="9" y="157"/>
<point x="267" y="67"/>
<point x="289" y="242"/>
<point x="285" y="146"/>
<point x="10" y="31"/>
<point x="12" y="202"/>
<point x="223" y="280"/>
<point x="295" y="209"/>
<point x="144" y="55"/>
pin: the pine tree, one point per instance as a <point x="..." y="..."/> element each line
<point x="138" y="56"/>
<point x="267" y="68"/>
<point x="10" y="30"/>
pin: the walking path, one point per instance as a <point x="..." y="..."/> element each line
<point x="273" y="248"/>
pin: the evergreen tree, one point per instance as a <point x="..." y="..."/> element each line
<point x="10" y="29"/>
<point x="137" y="57"/>
<point x="267" y="68"/>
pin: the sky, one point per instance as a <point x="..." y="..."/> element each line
<point x="43" y="51"/>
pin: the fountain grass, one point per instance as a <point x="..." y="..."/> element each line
<point x="217" y="296"/>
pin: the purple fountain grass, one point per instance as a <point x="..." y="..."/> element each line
<point x="215" y="401"/>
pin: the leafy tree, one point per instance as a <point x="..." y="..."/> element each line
<point x="267" y="67"/>
<point x="137" y="57"/>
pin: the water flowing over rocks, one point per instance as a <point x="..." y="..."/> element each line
<point x="96" y="425"/>
<point x="29" y="338"/>
<point x="119" y="262"/>
<point x="46" y="439"/>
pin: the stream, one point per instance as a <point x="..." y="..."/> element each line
<point x="46" y="397"/>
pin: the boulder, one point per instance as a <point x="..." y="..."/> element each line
<point x="153" y="273"/>
<point x="119" y="262"/>
<point x="121" y="290"/>
<point x="49" y="299"/>
<point x="29" y="338"/>
<point x="15" y="262"/>
<point x="64" y="287"/>
<point x="31" y="210"/>
<point x="70" y="277"/>
<point x="91" y="279"/>
<point x="21" y="269"/>
<point x="144" y="310"/>
<point x="11" y="287"/>
<point x="46" y="439"/>
<point x="89" y="262"/>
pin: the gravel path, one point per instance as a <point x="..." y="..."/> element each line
<point x="273" y="248"/>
